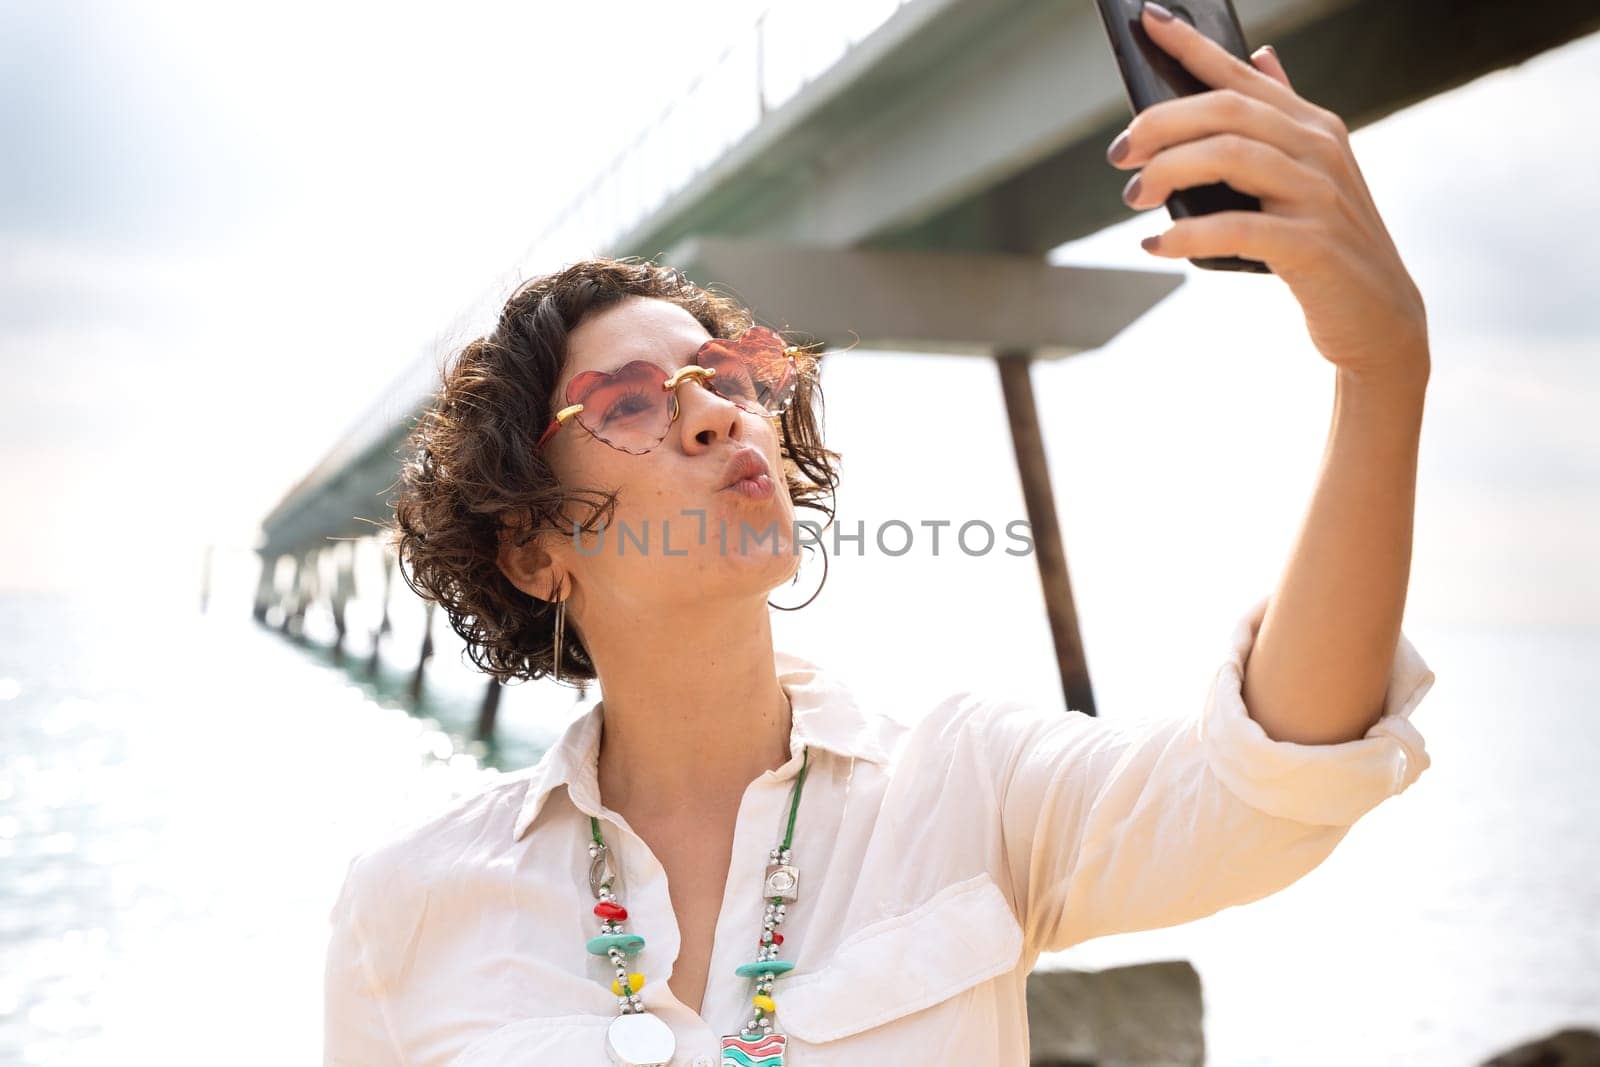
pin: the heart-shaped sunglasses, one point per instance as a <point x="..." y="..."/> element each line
<point x="632" y="408"/>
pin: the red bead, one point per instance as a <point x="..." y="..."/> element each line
<point x="607" y="910"/>
<point x="777" y="938"/>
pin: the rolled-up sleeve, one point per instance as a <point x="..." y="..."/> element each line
<point x="1116" y="827"/>
<point x="356" y="1027"/>
<point x="1329" y="785"/>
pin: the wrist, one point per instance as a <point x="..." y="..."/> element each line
<point x="1405" y="377"/>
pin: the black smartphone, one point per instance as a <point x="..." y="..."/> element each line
<point x="1150" y="76"/>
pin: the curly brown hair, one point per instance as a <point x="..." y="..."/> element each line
<point x="471" y="474"/>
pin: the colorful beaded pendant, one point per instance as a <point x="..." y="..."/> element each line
<point x="637" y="1038"/>
<point x="762" y="1052"/>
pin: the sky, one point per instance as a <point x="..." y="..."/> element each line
<point x="225" y="228"/>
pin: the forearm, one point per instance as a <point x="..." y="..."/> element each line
<point x="1319" y="669"/>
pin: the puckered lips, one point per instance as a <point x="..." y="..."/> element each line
<point x="747" y="474"/>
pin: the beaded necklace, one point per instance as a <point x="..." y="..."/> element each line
<point x="636" y="1038"/>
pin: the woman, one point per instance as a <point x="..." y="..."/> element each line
<point x="728" y="860"/>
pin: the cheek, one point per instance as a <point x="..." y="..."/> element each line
<point x="602" y="469"/>
<point x="646" y="487"/>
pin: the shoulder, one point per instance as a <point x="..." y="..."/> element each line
<point x="970" y="716"/>
<point x="935" y="733"/>
<point x="398" y="882"/>
<point x="994" y="733"/>
<point x="404" y="859"/>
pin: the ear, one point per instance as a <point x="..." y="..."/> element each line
<point x="529" y="567"/>
<point x="1266" y="60"/>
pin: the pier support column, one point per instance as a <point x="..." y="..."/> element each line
<point x="1026" y="441"/>
<point x="313" y="590"/>
<point x="266" y="588"/>
<point x="384" y="625"/>
<point x="294" y="605"/>
<point x="344" y="587"/>
<point x="489" y="711"/>
<point x="286" y="598"/>
<point x="308" y="583"/>
<point x="425" y="654"/>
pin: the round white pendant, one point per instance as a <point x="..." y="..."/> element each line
<point x="640" y="1040"/>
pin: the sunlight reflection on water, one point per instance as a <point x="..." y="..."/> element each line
<point x="178" y="799"/>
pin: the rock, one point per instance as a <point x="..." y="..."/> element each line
<point x="1137" y="1016"/>
<point x="1564" y="1048"/>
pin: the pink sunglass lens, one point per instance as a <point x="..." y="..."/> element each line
<point x="627" y="408"/>
<point x="754" y="372"/>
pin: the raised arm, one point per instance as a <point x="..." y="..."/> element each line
<point x="1111" y="828"/>
<point x="1320" y="666"/>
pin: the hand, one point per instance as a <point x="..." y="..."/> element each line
<point x="1318" y="228"/>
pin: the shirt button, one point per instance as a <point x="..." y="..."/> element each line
<point x="702" y="1061"/>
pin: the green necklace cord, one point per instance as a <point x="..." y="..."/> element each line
<point x="794" y="805"/>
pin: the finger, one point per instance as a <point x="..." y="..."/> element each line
<point x="1189" y="118"/>
<point x="1266" y="60"/>
<point x="1283" y="184"/>
<point x="1215" y="65"/>
<point x="1272" y="239"/>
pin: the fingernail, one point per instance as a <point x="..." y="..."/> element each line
<point x="1130" y="192"/>
<point x="1119" y="147"/>
<point x="1157" y="12"/>
<point x="1269" y="49"/>
<point x="1151" y="243"/>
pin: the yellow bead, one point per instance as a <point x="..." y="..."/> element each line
<point x="635" y="982"/>
<point x="763" y="1002"/>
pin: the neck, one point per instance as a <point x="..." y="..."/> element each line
<point x="692" y="712"/>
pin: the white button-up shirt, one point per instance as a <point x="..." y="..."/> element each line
<point x="939" y="854"/>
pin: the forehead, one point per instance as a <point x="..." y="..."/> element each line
<point x="636" y="328"/>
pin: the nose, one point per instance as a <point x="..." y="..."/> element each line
<point x="704" y="415"/>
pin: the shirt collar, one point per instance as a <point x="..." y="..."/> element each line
<point x="823" y="712"/>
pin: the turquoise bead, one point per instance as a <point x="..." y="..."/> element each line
<point x="760" y="967"/>
<point x="628" y="943"/>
